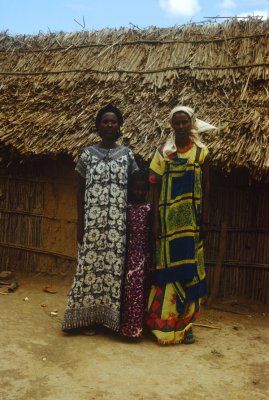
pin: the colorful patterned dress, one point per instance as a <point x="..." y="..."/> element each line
<point x="139" y="218"/>
<point x="179" y="278"/>
<point x="95" y="296"/>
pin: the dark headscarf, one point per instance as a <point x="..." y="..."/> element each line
<point x="108" y="108"/>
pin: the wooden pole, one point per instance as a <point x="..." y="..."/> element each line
<point x="219" y="262"/>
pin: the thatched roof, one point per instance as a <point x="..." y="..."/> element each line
<point x="53" y="84"/>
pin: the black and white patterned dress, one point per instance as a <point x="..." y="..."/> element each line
<point x="95" y="296"/>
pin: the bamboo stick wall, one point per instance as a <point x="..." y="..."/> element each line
<point x="246" y="262"/>
<point x="38" y="225"/>
<point x="38" y="217"/>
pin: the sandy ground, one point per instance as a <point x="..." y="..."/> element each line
<point x="39" y="362"/>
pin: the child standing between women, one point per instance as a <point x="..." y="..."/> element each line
<point x="139" y="221"/>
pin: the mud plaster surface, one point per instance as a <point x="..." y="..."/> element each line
<point x="38" y="362"/>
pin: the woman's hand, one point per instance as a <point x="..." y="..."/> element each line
<point x="80" y="208"/>
<point x="203" y="231"/>
<point x="80" y="231"/>
<point x="156" y="228"/>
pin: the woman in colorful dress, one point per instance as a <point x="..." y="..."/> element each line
<point x="179" y="175"/>
<point x="103" y="168"/>
<point x="139" y="238"/>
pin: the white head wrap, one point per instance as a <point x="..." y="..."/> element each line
<point x="198" y="126"/>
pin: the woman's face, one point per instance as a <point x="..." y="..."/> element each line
<point x="109" y="127"/>
<point x="181" y="124"/>
<point x="138" y="191"/>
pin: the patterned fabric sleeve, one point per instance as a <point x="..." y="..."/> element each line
<point x="81" y="164"/>
<point x="157" y="164"/>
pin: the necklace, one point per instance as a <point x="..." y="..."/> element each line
<point x="185" y="148"/>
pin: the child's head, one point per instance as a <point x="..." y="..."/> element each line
<point x="138" y="186"/>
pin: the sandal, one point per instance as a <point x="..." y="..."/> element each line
<point x="80" y="331"/>
<point x="188" y="337"/>
<point x="89" y="332"/>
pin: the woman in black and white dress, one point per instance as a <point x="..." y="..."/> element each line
<point x="95" y="296"/>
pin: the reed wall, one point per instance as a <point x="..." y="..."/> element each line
<point x="244" y="205"/>
<point x="38" y="217"/>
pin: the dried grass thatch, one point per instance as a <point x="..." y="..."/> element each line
<point x="52" y="86"/>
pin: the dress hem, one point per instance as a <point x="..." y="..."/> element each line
<point x="86" y="318"/>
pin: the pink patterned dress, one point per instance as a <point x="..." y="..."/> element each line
<point x="136" y="286"/>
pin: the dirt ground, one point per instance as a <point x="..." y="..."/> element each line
<point x="39" y="362"/>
